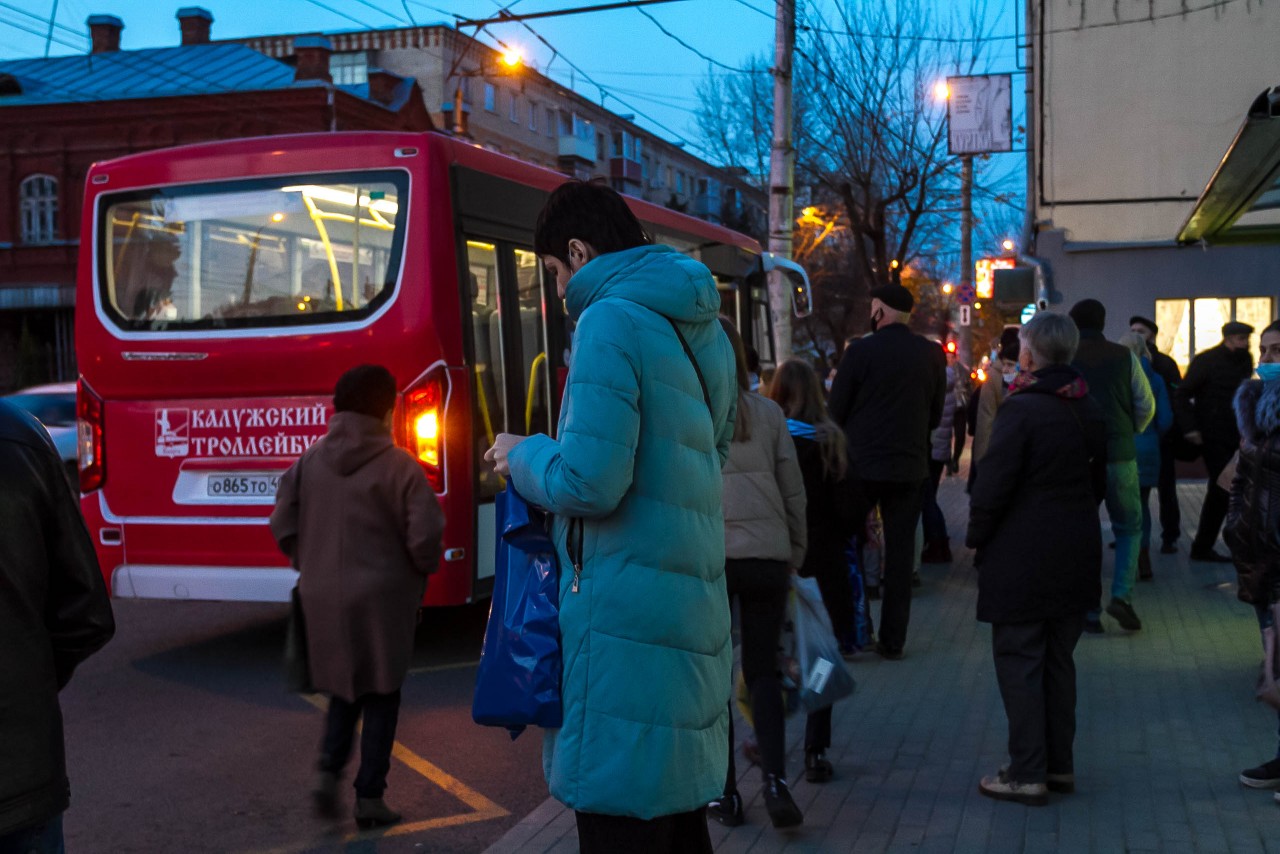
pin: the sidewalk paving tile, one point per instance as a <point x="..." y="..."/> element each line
<point x="1165" y="721"/>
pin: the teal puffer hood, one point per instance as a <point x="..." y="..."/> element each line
<point x="656" y="277"/>
<point x="645" y="625"/>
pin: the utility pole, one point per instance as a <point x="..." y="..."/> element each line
<point x="966" y="249"/>
<point x="782" y="168"/>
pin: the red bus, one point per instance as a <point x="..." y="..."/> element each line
<point x="224" y="287"/>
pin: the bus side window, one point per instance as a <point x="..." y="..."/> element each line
<point x="489" y="415"/>
<point x="535" y="361"/>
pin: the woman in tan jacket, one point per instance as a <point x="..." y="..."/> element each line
<point x="357" y="517"/>
<point x="765" y="535"/>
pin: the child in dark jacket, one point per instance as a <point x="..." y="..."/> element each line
<point x="820" y="447"/>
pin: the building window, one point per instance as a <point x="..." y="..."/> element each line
<point x="645" y="166"/>
<point x="38" y="203"/>
<point x="680" y="183"/>
<point x="551" y="121"/>
<point x="1188" y="327"/>
<point x="600" y="147"/>
<point x="513" y="108"/>
<point x="349" y="69"/>
<point x="670" y="182"/>
<point x="490" y="98"/>
<point x="533" y="116"/>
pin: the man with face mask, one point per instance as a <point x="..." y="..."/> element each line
<point x="1167" y="489"/>
<point x="888" y="396"/>
<point x="1205" y="417"/>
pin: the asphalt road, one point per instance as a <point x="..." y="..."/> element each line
<point x="182" y="738"/>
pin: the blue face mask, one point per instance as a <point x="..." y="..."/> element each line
<point x="1269" y="371"/>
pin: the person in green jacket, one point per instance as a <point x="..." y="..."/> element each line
<point x="633" y="478"/>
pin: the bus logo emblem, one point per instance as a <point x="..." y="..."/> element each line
<point x="173" y="432"/>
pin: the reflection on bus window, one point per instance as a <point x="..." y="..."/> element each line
<point x="533" y="347"/>
<point x="762" y="325"/>
<point x="302" y="251"/>
<point x="490" y="382"/>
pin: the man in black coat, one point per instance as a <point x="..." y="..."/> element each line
<point x="54" y="613"/>
<point x="1167" y="487"/>
<point x="1203" y="406"/>
<point x="888" y="396"/>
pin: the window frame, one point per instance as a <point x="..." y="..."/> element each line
<point x="38" y="209"/>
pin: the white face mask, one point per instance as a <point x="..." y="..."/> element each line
<point x="1009" y="376"/>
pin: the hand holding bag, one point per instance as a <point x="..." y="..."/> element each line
<point x="518" y="682"/>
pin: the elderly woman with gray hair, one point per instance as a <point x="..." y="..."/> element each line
<point x="1033" y="519"/>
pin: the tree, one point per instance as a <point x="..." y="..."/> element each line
<point x="870" y="139"/>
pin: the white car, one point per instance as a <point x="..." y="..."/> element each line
<point x="54" y="405"/>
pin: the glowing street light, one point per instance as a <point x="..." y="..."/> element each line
<point x="947" y="288"/>
<point x="512" y="57"/>
<point x="941" y="91"/>
<point x="1007" y="244"/>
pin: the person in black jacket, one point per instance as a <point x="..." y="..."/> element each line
<point x="1252" y="530"/>
<point x="54" y="613"/>
<point x="1033" y="519"/>
<point x="1167" y="487"/>
<point x="888" y="395"/>
<point x="821" y="452"/>
<point x="1204" y="415"/>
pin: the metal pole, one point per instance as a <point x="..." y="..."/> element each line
<point x="782" y="164"/>
<point x="966" y="249"/>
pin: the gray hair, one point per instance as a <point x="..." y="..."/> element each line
<point x="1135" y="342"/>
<point x="1051" y="338"/>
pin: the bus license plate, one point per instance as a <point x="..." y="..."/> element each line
<point x="242" y="485"/>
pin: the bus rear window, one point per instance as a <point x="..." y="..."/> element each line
<point x="277" y="252"/>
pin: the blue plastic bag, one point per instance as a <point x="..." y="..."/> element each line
<point x="823" y="678"/>
<point x="518" y="683"/>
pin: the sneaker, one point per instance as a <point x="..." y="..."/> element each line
<point x="1208" y="556"/>
<point x="817" y="768"/>
<point x="727" y="810"/>
<point x="1144" y="565"/>
<point x="783" y="811"/>
<point x="1123" y="614"/>
<point x="1003" y="789"/>
<point x="1265" y="776"/>
<point x="1093" y="626"/>
<point x="1169" y="548"/>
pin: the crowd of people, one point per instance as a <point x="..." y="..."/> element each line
<point x="668" y="427"/>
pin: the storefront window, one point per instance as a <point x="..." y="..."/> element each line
<point x="1188" y="327"/>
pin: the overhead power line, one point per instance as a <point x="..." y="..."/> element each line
<point x="504" y="16"/>
<point x="684" y="44"/>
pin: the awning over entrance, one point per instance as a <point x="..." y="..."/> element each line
<point x="1241" y="203"/>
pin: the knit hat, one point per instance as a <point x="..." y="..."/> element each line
<point x="1089" y="314"/>
<point x="896" y="297"/>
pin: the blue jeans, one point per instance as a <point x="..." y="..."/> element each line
<point x="1264" y="622"/>
<point x="43" y="838"/>
<point x="1124" y="506"/>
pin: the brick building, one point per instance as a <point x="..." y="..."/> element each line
<point x="60" y="115"/>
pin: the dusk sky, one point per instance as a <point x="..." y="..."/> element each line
<point x="641" y="69"/>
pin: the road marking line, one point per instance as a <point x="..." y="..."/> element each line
<point x="482" y="809"/>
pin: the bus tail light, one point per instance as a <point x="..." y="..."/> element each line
<point x="93" y="470"/>
<point x="424" y="427"/>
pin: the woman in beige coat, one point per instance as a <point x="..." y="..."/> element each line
<point x="357" y="517"/>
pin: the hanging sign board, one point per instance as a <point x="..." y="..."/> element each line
<point x="979" y="114"/>
<point x="964" y="315"/>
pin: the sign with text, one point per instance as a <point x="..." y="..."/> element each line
<point x="979" y="114"/>
<point x="984" y="274"/>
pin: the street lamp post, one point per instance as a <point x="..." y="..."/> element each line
<point x="966" y="249"/>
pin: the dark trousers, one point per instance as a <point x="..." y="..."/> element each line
<point x="1167" y="490"/>
<point x="900" y="510"/>
<point x="935" y="523"/>
<point x="380" y="713"/>
<point x="817" y="731"/>
<point x="837" y="592"/>
<point x="1214" y="510"/>
<point x="1037" y="677"/>
<point x="761" y="588"/>
<point x="680" y="833"/>
<point x="43" y="838"/>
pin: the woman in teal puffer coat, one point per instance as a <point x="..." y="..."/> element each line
<point x="644" y="616"/>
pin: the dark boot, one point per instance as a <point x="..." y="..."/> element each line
<point x="936" y="551"/>
<point x="374" y="812"/>
<point x="817" y="768"/>
<point x="727" y="810"/>
<point x="324" y="794"/>
<point x="783" y="811"/>
<point x="1144" y="565"/>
